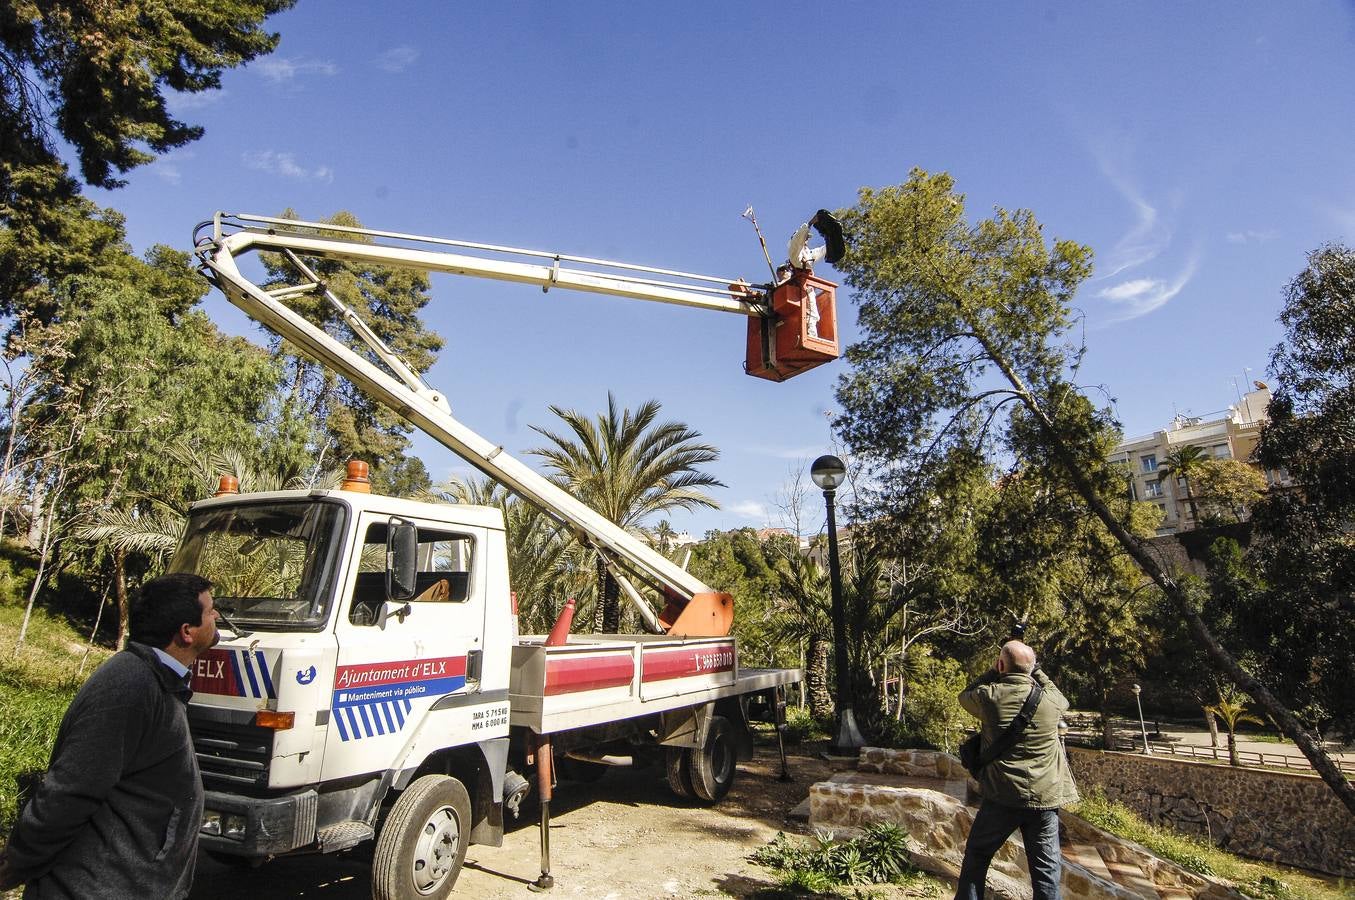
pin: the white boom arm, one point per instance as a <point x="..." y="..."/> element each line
<point x="407" y="393"/>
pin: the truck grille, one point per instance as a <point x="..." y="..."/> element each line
<point x="232" y="757"/>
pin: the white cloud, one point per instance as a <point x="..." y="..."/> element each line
<point x="281" y="70"/>
<point x="1252" y="236"/>
<point x="1140" y="296"/>
<point x="1146" y="238"/>
<point x="397" y="59"/>
<point x="167" y="166"/>
<point x="1129" y="290"/>
<point x="179" y="102"/>
<point x="749" y="509"/>
<point x="285" y="164"/>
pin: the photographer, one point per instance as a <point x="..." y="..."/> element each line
<point x="1024" y="786"/>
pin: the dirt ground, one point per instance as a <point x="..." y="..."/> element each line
<point x="625" y="836"/>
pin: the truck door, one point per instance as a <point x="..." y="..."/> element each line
<point x="397" y="659"/>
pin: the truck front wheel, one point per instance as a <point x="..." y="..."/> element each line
<point x="423" y="841"/>
<point x="712" y="767"/>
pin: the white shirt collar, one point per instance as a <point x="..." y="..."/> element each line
<point x="175" y="666"/>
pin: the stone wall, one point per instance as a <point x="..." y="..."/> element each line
<point x="1275" y="816"/>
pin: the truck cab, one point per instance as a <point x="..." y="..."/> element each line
<point x="334" y="684"/>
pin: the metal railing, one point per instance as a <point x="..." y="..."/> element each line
<point x="1245" y="757"/>
<point x="1255" y="758"/>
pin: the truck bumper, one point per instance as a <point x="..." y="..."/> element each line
<point x="258" y="826"/>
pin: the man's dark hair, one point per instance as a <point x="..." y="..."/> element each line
<point x="163" y="605"/>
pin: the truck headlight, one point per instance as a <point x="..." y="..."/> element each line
<point x="211" y="822"/>
<point x="233" y="827"/>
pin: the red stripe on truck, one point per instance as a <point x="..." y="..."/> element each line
<point x="567" y="675"/>
<point x="683" y="662"/>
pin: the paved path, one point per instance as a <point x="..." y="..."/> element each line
<point x="1127" y="730"/>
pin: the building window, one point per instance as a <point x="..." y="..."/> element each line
<point x="1149" y="462"/>
<point x="1153" y="489"/>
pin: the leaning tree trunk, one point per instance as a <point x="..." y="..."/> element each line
<point x="816" y="677"/>
<point x="1232" y="749"/>
<point x="1199" y="630"/>
<point x="1213" y="724"/>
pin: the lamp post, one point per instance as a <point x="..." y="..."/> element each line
<point x="1142" y="727"/>
<point x="828" y="472"/>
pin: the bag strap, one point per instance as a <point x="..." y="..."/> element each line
<point x="1012" y="732"/>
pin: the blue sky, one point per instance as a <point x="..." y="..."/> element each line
<point x="1200" y="149"/>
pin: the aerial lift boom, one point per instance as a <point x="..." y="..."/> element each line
<point x="693" y="607"/>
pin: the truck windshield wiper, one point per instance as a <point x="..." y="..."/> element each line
<point x="239" y="632"/>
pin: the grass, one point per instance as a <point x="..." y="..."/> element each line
<point x="35" y="689"/>
<point x="1256" y="879"/>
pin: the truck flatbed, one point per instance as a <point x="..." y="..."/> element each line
<point x="594" y="679"/>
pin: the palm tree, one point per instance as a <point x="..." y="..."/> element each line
<point x="803" y="598"/>
<point x="1232" y="709"/>
<point x="663" y="536"/>
<point x="1185" y="462"/>
<point x="627" y="468"/>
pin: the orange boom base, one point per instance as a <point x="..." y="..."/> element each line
<point x="707" y="614"/>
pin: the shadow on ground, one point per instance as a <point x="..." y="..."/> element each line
<point x="758" y="798"/>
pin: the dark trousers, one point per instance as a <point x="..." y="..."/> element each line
<point x="995" y="823"/>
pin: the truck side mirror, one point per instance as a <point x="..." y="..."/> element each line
<point x="402" y="560"/>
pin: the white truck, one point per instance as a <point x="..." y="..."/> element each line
<point x="372" y="683"/>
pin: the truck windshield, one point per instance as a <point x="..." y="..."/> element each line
<point x="271" y="564"/>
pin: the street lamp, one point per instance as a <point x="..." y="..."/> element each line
<point x="828" y="472"/>
<point x="1142" y="727"/>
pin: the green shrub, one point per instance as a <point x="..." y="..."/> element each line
<point x="884" y="849"/>
<point x="878" y="856"/>
<point x="932" y="708"/>
<point x="887" y="731"/>
<point x="801" y="726"/>
<point x="803" y="881"/>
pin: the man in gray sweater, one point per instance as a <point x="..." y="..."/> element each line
<point x="117" y="813"/>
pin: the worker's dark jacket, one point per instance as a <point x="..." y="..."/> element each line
<point x="118" y="813"/>
<point x="1034" y="773"/>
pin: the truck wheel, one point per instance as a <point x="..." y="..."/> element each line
<point x="423" y="841"/>
<point x="712" y="767"/>
<point x="679" y="772"/>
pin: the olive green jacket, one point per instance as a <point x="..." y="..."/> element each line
<point x="1034" y="773"/>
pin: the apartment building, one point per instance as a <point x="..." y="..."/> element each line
<point x="1230" y="434"/>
